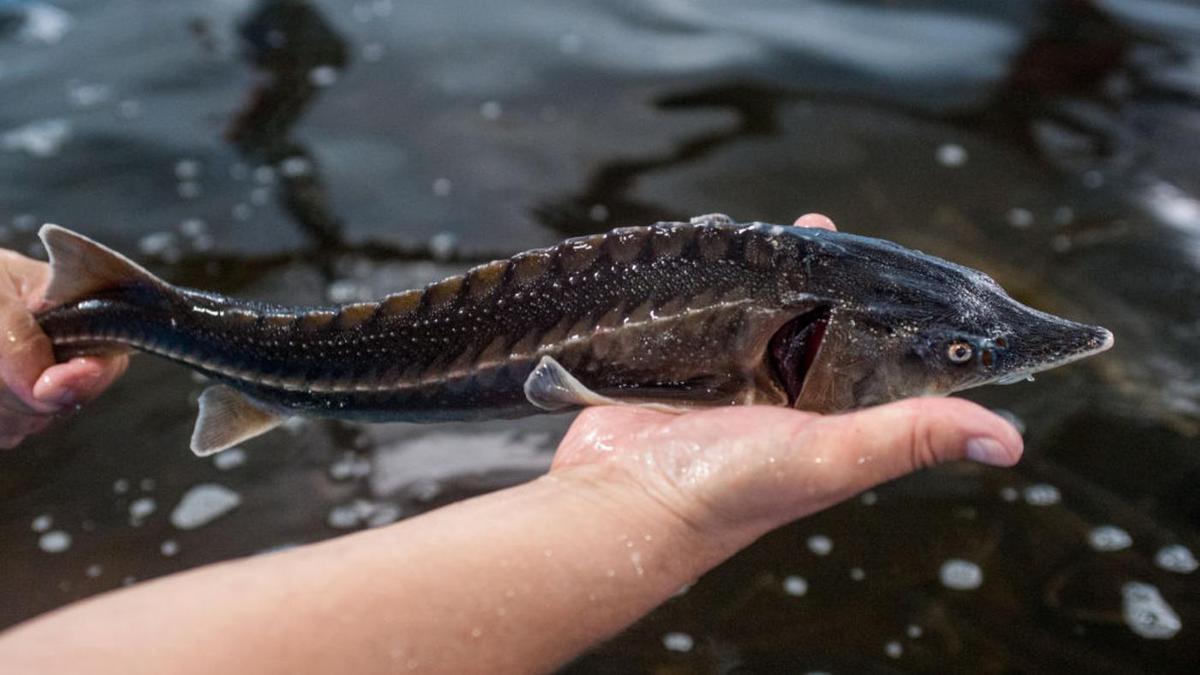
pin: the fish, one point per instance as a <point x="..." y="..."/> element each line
<point x="674" y="316"/>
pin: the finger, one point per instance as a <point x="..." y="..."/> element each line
<point x="878" y="444"/>
<point x="816" y="220"/>
<point x="25" y="352"/>
<point x="79" y="380"/>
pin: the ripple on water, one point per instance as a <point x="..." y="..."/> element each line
<point x="960" y="575"/>
<point x="1176" y="558"/>
<point x="1147" y="613"/>
<point x="203" y="504"/>
<point x="1109" y="538"/>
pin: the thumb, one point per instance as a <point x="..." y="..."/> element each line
<point x="899" y="438"/>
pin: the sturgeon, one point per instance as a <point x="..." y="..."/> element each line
<point x="674" y="316"/>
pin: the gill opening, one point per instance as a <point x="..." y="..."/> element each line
<point x="794" y="348"/>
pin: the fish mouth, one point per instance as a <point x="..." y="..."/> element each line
<point x="794" y="348"/>
<point x="1101" y="340"/>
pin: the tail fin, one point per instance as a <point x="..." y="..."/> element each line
<point x="80" y="267"/>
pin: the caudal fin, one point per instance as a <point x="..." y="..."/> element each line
<point x="80" y="267"/>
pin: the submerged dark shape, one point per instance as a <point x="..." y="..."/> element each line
<point x="674" y="315"/>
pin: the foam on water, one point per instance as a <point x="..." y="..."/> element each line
<point x="54" y="541"/>
<point x="1109" y="538"/>
<point x="1042" y="494"/>
<point x="1147" y="613"/>
<point x="203" y="504"/>
<point x="960" y="575"/>
<point x="1176" y="558"/>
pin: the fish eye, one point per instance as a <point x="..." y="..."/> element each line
<point x="959" y="352"/>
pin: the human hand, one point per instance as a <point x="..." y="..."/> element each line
<point x="33" y="388"/>
<point x="735" y="473"/>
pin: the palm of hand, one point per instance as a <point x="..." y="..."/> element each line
<point x="759" y="467"/>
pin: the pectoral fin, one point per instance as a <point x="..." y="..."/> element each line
<point x="550" y="387"/>
<point x="227" y="417"/>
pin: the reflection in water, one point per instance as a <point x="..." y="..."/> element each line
<point x="301" y="54"/>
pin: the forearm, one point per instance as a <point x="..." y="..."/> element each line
<point x="518" y="580"/>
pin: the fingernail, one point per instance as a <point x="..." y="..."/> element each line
<point x="988" y="451"/>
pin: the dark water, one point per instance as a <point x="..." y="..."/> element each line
<point x="305" y="151"/>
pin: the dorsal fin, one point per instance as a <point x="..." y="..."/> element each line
<point x="80" y="267"/>
<point x="227" y="417"/>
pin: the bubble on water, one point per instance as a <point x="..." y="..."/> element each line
<point x="893" y="649"/>
<point x="41" y="139"/>
<point x="1109" y="538"/>
<point x="795" y="585"/>
<point x="121" y="486"/>
<point x="54" y="541"/>
<point x="857" y="574"/>
<point x="442" y="245"/>
<point x="491" y="110"/>
<point x="188" y="189"/>
<point x="1019" y="217"/>
<point x="239" y="171"/>
<point x="203" y="504"/>
<point x="869" y="498"/>
<point x="44" y="23"/>
<point x="193" y="227"/>
<point x="951" y="155"/>
<point x="1064" y="215"/>
<point x="141" y="508"/>
<point x="372" y="52"/>
<point x="229" y="459"/>
<point x="570" y="43"/>
<point x="1176" y="558"/>
<point x="24" y="222"/>
<point x="960" y="575"/>
<point x="187" y="169"/>
<point x="1147" y="613"/>
<point x="914" y="631"/>
<point x="1093" y="179"/>
<point x="598" y="213"/>
<point x="678" y="642"/>
<point x="323" y="76"/>
<point x="1009" y="493"/>
<point x="42" y="523"/>
<point x="129" y="109"/>
<point x="260" y="196"/>
<point x="363" y="512"/>
<point x="94" y="571"/>
<point x="169" y="547"/>
<point x="347" y="290"/>
<point x="241" y="211"/>
<point x="1042" y="494"/>
<point x="819" y="544"/>
<point x="442" y="187"/>
<point x="160" y="244"/>
<point x="84" y="95"/>
<point x="294" y="167"/>
<point x="350" y="465"/>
